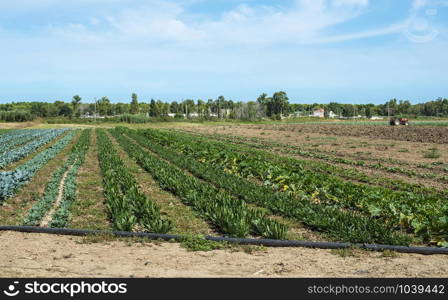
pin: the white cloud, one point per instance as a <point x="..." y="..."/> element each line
<point x="268" y="25"/>
<point x="161" y="21"/>
<point x="168" y="21"/>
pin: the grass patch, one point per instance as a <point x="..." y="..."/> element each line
<point x="199" y="243"/>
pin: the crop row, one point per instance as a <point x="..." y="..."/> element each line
<point x="18" y="153"/>
<point x="10" y="181"/>
<point x="425" y="215"/>
<point x="126" y="205"/>
<point x="335" y="223"/>
<point x="231" y="215"/>
<point x="13" y="135"/>
<point x="20" y="138"/>
<point x="292" y="149"/>
<point x="9" y="135"/>
<point x="62" y="214"/>
<point x="51" y="192"/>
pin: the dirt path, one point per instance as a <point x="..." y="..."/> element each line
<point x="47" y="218"/>
<point x="37" y="255"/>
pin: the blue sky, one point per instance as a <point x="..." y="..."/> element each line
<point x="353" y="51"/>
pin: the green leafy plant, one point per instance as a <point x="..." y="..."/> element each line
<point x="231" y="215"/>
<point x="126" y="205"/>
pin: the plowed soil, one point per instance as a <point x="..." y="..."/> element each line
<point x="423" y="134"/>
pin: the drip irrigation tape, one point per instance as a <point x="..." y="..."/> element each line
<point x="243" y="241"/>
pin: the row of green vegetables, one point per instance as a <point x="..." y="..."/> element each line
<point x="229" y="214"/>
<point x="293" y="149"/>
<point x="11" y="134"/>
<point x="69" y="169"/>
<point x="15" y="154"/>
<point x="423" y="214"/>
<point x="17" y="138"/>
<point x="127" y="206"/>
<point x="335" y="223"/>
<point x="11" y="181"/>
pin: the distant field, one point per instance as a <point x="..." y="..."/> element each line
<point x="363" y="122"/>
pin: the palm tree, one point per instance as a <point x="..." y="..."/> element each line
<point x="76" y="101"/>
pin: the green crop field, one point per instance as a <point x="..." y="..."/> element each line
<point x="233" y="185"/>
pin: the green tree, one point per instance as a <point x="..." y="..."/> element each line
<point x="134" y="104"/>
<point x="66" y="111"/>
<point x="369" y="111"/>
<point x="279" y="104"/>
<point x="220" y="102"/>
<point x="153" y="109"/>
<point x="76" y="102"/>
<point x="104" y="106"/>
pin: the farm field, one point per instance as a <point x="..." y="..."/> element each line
<point x="312" y="182"/>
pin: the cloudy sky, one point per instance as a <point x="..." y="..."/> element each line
<point x="351" y="51"/>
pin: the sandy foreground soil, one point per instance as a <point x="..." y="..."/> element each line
<point x="41" y="255"/>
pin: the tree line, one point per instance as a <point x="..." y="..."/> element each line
<point x="275" y="107"/>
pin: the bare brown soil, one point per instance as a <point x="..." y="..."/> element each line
<point x="423" y="134"/>
<point x="18" y="125"/>
<point x="373" y="147"/>
<point x="41" y="255"/>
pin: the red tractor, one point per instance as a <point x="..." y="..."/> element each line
<point x="399" y="121"/>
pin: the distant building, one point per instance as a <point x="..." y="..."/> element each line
<point x="376" y="118"/>
<point x="88" y="115"/>
<point x="319" y="113"/>
<point x="332" y="115"/>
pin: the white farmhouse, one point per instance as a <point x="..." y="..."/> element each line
<point x="319" y="113"/>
